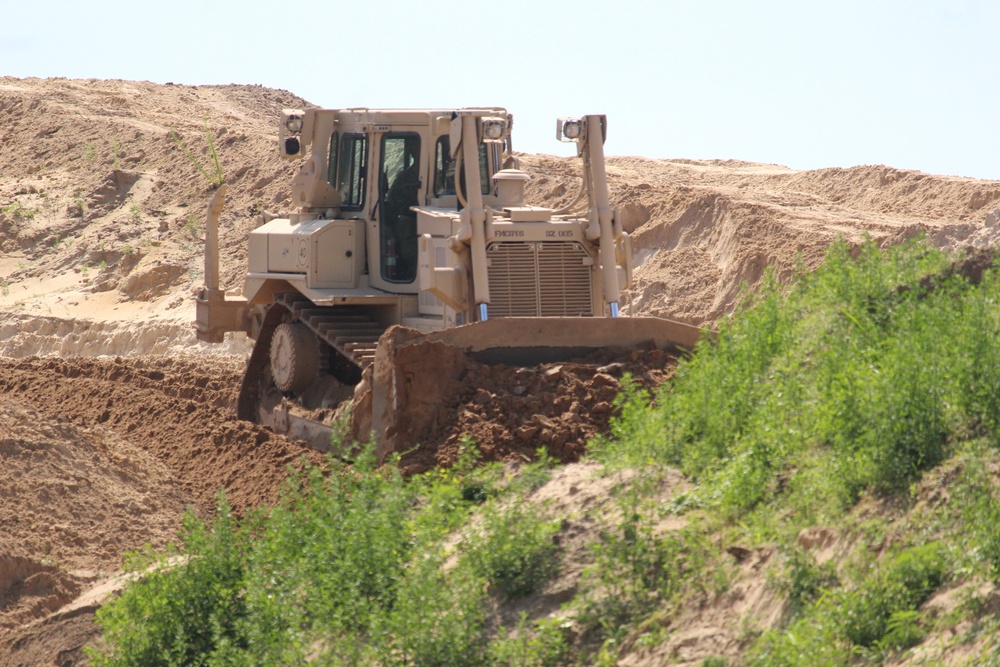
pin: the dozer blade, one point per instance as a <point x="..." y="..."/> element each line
<point x="412" y="371"/>
<point x="524" y="341"/>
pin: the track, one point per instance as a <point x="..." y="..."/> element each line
<point x="347" y="339"/>
<point x="348" y="330"/>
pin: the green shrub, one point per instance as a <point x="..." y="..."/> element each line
<point x="856" y="378"/>
<point x="804" y="581"/>
<point x="181" y="610"/>
<point x="812" y="641"/>
<point x="880" y="615"/>
<point x="978" y="504"/>
<point x="347" y="569"/>
<point x="905" y="584"/>
<point x="513" y="548"/>
<point x="542" y="644"/>
<point x="328" y="559"/>
<point x="436" y="620"/>
<point x="213" y="173"/>
<point x="636" y="568"/>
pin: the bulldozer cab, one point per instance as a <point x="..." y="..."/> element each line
<point x="377" y="166"/>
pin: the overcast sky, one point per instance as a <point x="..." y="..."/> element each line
<point x="911" y="84"/>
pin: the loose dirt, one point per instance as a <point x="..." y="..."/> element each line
<point x="511" y="412"/>
<point x="113" y="419"/>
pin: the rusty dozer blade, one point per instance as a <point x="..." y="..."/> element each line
<point x="410" y="376"/>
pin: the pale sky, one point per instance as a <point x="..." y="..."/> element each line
<point x="807" y="84"/>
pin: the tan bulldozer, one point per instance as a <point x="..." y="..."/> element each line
<point x="411" y="248"/>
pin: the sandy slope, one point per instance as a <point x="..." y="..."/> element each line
<point x="100" y="252"/>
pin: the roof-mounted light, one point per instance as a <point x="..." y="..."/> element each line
<point x="571" y="129"/>
<point x="291" y="139"/>
<point x="293" y="123"/>
<point x="494" y="129"/>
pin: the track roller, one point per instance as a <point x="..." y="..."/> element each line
<point x="294" y="357"/>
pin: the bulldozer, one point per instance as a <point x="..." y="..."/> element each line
<point x="412" y="237"/>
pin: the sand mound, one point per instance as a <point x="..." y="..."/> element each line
<point x="79" y="496"/>
<point x="179" y="411"/>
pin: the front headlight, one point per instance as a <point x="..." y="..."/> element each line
<point x="494" y="129"/>
<point x="293" y="124"/>
<point x="570" y="129"/>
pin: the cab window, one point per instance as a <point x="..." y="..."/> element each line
<point x="352" y="170"/>
<point x="444" y="169"/>
<point x="399" y="187"/>
<point x="331" y="173"/>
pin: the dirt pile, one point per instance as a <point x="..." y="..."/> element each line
<point x="511" y="412"/>
<point x="75" y="499"/>
<point x="178" y="410"/>
<point x="56" y="474"/>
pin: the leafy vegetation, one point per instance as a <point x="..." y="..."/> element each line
<point x="863" y="398"/>
<point x="858" y="378"/>
<point x="350" y="567"/>
<point x="512" y="550"/>
<point x="185" y="610"/>
<point x="880" y="614"/>
<point x="213" y="173"/>
<point x="18" y="212"/>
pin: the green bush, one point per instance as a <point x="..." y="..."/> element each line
<point x="181" y="610"/>
<point x="436" y="620"/>
<point x="978" y="504"/>
<point x="804" y="581"/>
<point x="880" y="615"/>
<point x="812" y="641"/>
<point x="335" y="547"/>
<point x="911" y="577"/>
<point x="513" y="548"/>
<point x="858" y="377"/>
<point x="543" y="644"/>
<point x="335" y="572"/>
<point x="636" y="568"/>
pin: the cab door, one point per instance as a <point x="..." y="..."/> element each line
<point x="399" y="187"/>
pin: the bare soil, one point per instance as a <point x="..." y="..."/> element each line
<point x="113" y="419"/>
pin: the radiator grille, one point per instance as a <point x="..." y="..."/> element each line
<point x="540" y="280"/>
